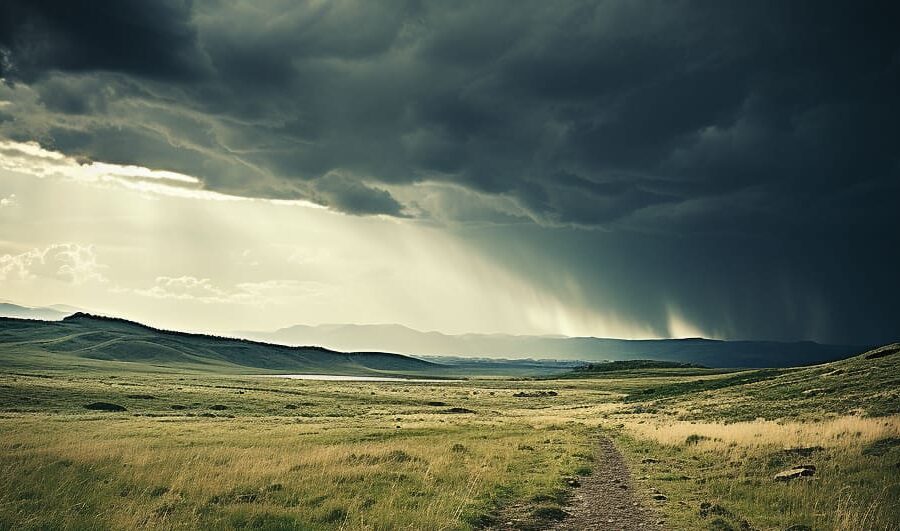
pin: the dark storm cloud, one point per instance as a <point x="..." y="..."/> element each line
<point x="692" y="120"/>
<point x="584" y="112"/>
<point x="149" y="39"/>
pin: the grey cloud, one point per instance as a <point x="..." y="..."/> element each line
<point x="684" y="99"/>
<point x="352" y="196"/>
<point x="771" y="123"/>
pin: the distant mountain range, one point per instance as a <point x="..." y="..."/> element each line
<point x="493" y="349"/>
<point x="54" y="312"/>
<point x="708" y="352"/>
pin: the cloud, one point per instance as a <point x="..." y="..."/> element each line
<point x="352" y="196"/>
<point x="153" y="40"/>
<point x="32" y="159"/>
<point x="8" y="201"/>
<point x="580" y="113"/>
<point x="702" y="154"/>
<point x="203" y="290"/>
<point x="67" y="262"/>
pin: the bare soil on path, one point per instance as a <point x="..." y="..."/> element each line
<point x="605" y="500"/>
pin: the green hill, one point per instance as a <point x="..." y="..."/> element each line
<point x="92" y="342"/>
<point x="867" y="384"/>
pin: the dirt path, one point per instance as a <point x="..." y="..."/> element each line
<point x="606" y="499"/>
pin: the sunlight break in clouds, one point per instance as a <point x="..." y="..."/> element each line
<point x="182" y="257"/>
<point x="32" y="159"/>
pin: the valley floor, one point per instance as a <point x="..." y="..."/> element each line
<point x="205" y="451"/>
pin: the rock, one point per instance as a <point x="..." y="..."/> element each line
<point x="796" y="472"/>
<point x="458" y="410"/>
<point x="573" y="482"/>
<point x="104" y="406"/>
<point x="660" y="497"/>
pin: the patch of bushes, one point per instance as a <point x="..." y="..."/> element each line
<point x="104" y="406"/>
<point x="695" y="439"/>
<point x="881" y="446"/>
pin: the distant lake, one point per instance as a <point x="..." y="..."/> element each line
<point x="334" y="378"/>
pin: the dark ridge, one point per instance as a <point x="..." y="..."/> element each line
<point x="628" y="365"/>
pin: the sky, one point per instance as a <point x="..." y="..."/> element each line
<point x="613" y="168"/>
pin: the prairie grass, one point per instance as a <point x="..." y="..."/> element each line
<point x="221" y="452"/>
<point x="344" y="455"/>
<point x="844" y="430"/>
<point x="730" y="467"/>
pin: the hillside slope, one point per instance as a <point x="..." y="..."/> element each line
<point x="867" y="385"/>
<point x="100" y="342"/>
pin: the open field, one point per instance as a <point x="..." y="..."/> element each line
<point x="198" y="449"/>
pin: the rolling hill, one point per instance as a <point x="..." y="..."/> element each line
<point x="91" y="342"/>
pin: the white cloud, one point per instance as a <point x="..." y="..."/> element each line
<point x="67" y="262"/>
<point x="9" y="201"/>
<point x="185" y="288"/>
<point x="190" y="288"/>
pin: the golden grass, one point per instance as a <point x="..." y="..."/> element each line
<point x="840" y="431"/>
<point x="188" y="473"/>
<point x="336" y="459"/>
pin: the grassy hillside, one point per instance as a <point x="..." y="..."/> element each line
<point x="867" y="384"/>
<point x="715" y="445"/>
<point x="90" y="342"/>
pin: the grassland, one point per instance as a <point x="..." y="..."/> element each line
<point x="196" y="449"/>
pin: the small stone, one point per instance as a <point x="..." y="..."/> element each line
<point x="796" y="472"/>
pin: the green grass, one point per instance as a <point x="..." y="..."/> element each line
<point x="196" y="448"/>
